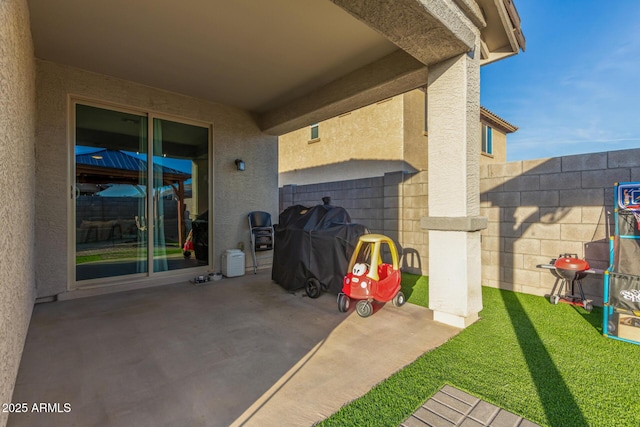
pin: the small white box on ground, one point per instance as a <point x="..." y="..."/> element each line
<point x="233" y="263"/>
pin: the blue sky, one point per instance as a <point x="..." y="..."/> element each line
<point x="576" y="88"/>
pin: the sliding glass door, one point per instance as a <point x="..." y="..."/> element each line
<point x="180" y="151"/>
<point x="141" y="194"/>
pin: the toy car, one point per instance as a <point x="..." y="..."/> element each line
<point x="369" y="278"/>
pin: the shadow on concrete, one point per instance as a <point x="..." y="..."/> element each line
<point x="210" y="354"/>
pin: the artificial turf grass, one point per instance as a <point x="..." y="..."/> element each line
<point x="547" y="363"/>
<point x="415" y="289"/>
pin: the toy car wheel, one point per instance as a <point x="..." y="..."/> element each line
<point x="343" y="303"/>
<point x="587" y="306"/>
<point x="364" y="308"/>
<point x="399" y="299"/>
<point x="554" y="299"/>
<point x="187" y="254"/>
<point x="313" y="288"/>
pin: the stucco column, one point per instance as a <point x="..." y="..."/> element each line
<point x="454" y="197"/>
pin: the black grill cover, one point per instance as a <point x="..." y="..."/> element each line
<point x="313" y="243"/>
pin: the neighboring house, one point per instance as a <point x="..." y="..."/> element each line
<point x="203" y="83"/>
<point x="388" y="136"/>
<point x="374" y="162"/>
<point x="493" y="137"/>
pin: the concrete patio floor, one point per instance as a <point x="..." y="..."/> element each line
<point x="241" y="351"/>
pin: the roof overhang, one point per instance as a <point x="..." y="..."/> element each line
<point x="502" y="36"/>
<point x="290" y="63"/>
<point x="495" y="121"/>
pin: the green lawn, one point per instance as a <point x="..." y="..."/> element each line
<point x="547" y="363"/>
<point x="415" y="289"/>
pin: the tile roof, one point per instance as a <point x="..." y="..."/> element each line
<point x="115" y="159"/>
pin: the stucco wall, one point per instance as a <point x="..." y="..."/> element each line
<point x="415" y="150"/>
<point x="363" y="143"/>
<point x="235" y="135"/>
<point x="17" y="161"/>
<point x="539" y="209"/>
<point x="388" y="136"/>
<point x="499" y="141"/>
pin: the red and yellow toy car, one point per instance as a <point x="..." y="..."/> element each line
<point x="369" y="278"/>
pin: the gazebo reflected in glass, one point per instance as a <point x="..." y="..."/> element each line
<point x="123" y="225"/>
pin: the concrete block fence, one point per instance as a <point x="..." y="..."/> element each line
<point x="539" y="209"/>
<point x="392" y="205"/>
<point x="536" y="210"/>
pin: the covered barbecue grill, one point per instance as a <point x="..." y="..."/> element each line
<point x="312" y="248"/>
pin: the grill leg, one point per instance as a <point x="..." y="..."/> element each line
<point x="554" y="297"/>
<point x="564" y="286"/>
<point x="555" y="285"/>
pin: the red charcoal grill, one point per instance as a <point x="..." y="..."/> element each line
<point x="569" y="270"/>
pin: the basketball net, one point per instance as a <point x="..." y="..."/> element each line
<point x="636" y="214"/>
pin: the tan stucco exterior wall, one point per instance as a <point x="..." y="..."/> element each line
<point x="363" y="143"/>
<point x="415" y="149"/>
<point x="235" y="135"/>
<point x="388" y="136"/>
<point x="17" y="184"/>
<point x="499" y="141"/>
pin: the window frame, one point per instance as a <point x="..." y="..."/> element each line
<point x="486" y="143"/>
<point x="314" y="132"/>
<point x="150" y="276"/>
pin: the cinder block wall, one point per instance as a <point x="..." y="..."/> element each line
<point x="539" y="209"/>
<point x="362" y="198"/>
<point x="390" y="205"/>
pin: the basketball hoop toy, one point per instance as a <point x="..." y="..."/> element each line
<point x="621" y="305"/>
<point x="629" y="200"/>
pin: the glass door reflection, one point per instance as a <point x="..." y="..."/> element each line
<point x="118" y="216"/>
<point x="180" y="195"/>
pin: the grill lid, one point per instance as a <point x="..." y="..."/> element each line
<point x="572" y="264"/>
